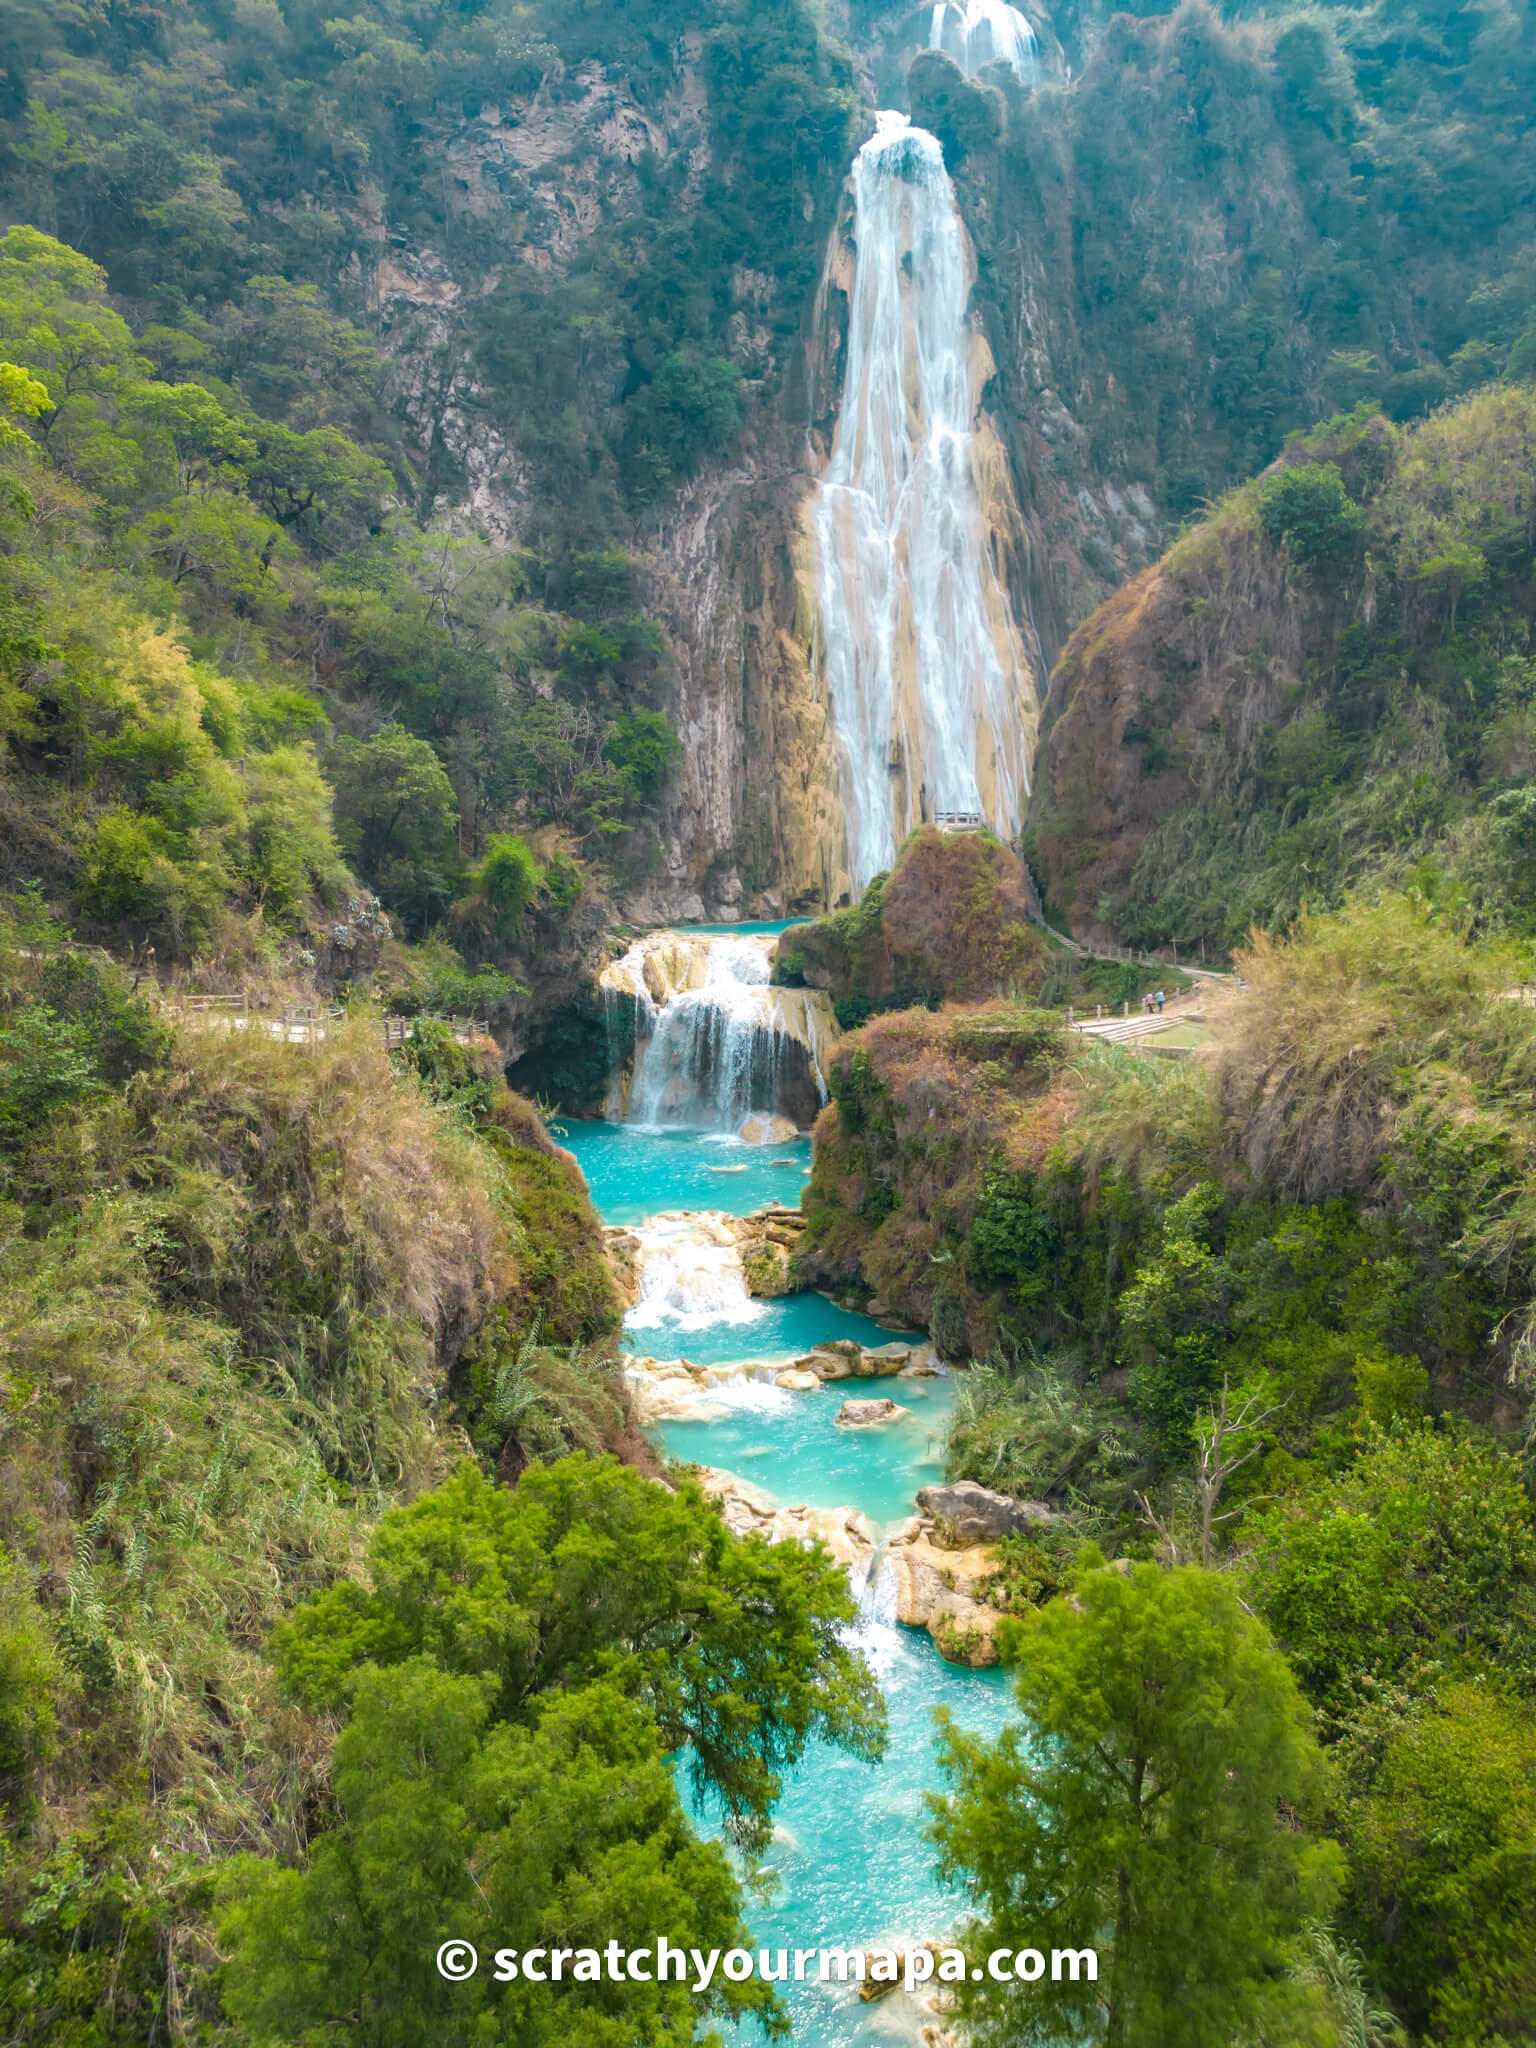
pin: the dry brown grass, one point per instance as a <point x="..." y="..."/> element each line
<point x="1325" y="1046"/>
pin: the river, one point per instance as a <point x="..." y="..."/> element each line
<point x="850" y="1864"/>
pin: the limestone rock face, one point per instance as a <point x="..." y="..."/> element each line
<point x="847" y="1534"/>
<point x="940" y="1589"/>
<point x="867" y="1414"/>
<point x="969" y="1513"/>
<point x="794" y="1381"/>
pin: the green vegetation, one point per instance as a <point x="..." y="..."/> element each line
<point x="512" y="1681"/>
<point x="1137" y="1808"/>
<point x="1267" y="1314"/>
<point x="1341" y="198"/>
<point x="240" y="1284"/>
<point x="1330" y="685"/>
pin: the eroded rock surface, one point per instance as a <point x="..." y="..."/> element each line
<point x="969" y="1513"/>
<point x="847" y="1534"/>
<point x="869" y="1414"/>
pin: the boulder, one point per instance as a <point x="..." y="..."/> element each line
<point x="796" y="1382"/>
<point x="843" y="1359"/>
<point x="942" y="1590"/>
<point x="970" y="1513"/>
<point x="767" y="1130"/>
<point x="865" y="1414"/>
<point x="669" y="1390"/>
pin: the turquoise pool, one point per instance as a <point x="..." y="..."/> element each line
<point x="635" y="1171"/>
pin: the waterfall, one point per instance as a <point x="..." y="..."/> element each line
<point x="932" y="700"/>
<point x="713" y="1041"/>
<point x="977" y="32"/>
<point x="691" y="1277"/>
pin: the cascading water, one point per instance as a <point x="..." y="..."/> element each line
<point x="933" y="702"/>
<point x="714" y="1043"/>
<point x="977" y="32"/>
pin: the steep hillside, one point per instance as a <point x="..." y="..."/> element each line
<point x="1329" y="679"/>
<point x="1207" y="227"/>
<point x="567" y="279"/>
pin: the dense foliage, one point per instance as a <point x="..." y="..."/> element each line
<point x="241" y="1284"/>
<point x="1138" y="1807"/>
<point x="513" y="1678"/>
<point x="1266" y="1313"/>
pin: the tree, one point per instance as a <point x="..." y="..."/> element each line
<point x="505" y="883"/>
<point x="1425" y="1547"/>
<point x="1443" y="1844"/>
<point x="1176" y="1322"/>
<point x="1147" y="1804"/>
<point x="1306" y="509"/>
<point x="645" y="750"/>
<point x="396" y="816"/>
<point x="732" y="1649"/>
<point x="566" y="1831"/>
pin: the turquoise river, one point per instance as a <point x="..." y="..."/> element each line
<point x="850" y="1865"/>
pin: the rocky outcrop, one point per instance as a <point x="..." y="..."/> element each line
<point x="768" y="1239"/>
<point x="1209" y="640"/>
<point x="968" y="1513"/>
<point x="953" y="919"/>
<point x="869" y="1414"/>
<point x="755" y="822"/>
<point x="767" y="1130"/>
<point x="942" y="1588"/>
<point x="843" y="1359"/>
<point x="749" y="1511"/>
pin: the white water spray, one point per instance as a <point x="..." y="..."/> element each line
<point x="932" y="699"/>
<point x="977" y="32"/>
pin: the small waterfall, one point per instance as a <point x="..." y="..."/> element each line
<point x="691" y="1277"/>
<point x="713" y="1041"/>
<point x="931" y="695"/>
<point x="977" y="32"/>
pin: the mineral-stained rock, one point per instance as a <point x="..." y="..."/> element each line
<point x="766" y="1266"/>
<point x="767" y="1130"/>
<point x="940" y="1590"/>
<point x="847" y="1534"/>
<point x="843" y="1359"/>
<point x="865" y="1414"/>
<point x="796" y="1382"/>
<point x="970" y="1513"/>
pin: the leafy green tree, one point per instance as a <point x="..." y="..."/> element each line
<point x="396" y="816"/>
<point x="733" y="1650"/>
<point x="1176" y="1321"/>
<point x="563" y="1831"/>
<point x="1306" y="509"/>
<point x="1442" y="1845"/>
<point x="1424" y="1549"/>
<point x="1147" y="1805"/>
<point x="506" y="883"/>
<point x="689" y="407"/>
<point x="646" y="751"/>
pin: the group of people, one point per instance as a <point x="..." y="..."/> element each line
<point x="1153" y="1003"/>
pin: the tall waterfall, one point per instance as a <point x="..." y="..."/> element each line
<point x="977" y="32"/>
<point x="932" y="699"/>
<point x="714" y="1043"/>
